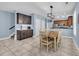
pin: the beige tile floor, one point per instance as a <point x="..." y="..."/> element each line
<point x="31" y="47"/>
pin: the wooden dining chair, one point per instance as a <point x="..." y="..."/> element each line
<point x="56" y="35"/>
<point x="53" y="35"/>
<point x="44" y="40"/>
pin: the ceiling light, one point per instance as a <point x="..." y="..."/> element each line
<point x="51" y="14"/>
<point x="66" y="2"/>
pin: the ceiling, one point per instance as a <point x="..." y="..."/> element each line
<point x="40" y="8"/>
<point x="58" y="7"/>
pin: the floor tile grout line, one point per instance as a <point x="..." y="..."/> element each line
<point x="11" y="52"/>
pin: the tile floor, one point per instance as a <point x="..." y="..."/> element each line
<point x="31" y="47"/>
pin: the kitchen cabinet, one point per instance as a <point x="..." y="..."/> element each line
<point x="23" y="19"/>
<point x="23" y="34"/>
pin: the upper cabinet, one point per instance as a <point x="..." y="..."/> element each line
<point x="70" y="20"/>
<point x="23" y="19"/>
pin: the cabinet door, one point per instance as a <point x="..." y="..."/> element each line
<point x="27" y="19"/>
<point x="18" y="35"/>
<point x="70" y="20"/>
<point x="19" y="18"/>
<point x="26" y="34"/>
<point x="24" y="20"/>
<point x="30" y="33"/>
<point x="23" y="33"/>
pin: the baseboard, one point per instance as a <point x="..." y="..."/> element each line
<point x="7" y="37"/>
<point x="35" y="36"/>
<point x="67" y="36"/>
<point x="4" y="38"/>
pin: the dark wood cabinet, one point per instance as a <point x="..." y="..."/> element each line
<point x="18" y="35"/>
<point x="23" y="34"/>
<point x="19" y="18"/>
<point x="70" y="20"/>
<point x="30" y="35"/>
<point x="27" y="19"/>
<point x="23" y="19"/>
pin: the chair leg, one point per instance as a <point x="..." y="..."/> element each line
<point x="51" y="45"/>
<point x="60" y="42"/>
<point x="55" y="45"/>
<point x="40" y="45"/>
<point x="47" y="48"/>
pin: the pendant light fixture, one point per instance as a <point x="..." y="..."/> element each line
<point x="50" y="15"/>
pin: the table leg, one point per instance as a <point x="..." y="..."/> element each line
<point x="54" y="44"/>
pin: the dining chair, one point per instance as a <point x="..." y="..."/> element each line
<point x="45" y="40"/>
<point x="56" y="36"/>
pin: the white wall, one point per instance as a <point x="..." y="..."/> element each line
<point x="39" y="24"/>
<point x="76" y="25"/>
<point x="7" y="20"/>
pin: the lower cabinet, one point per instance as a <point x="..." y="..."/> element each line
<point x="23" y="34"/>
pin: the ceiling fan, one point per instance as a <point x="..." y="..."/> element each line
<point x="50" y="15"/>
